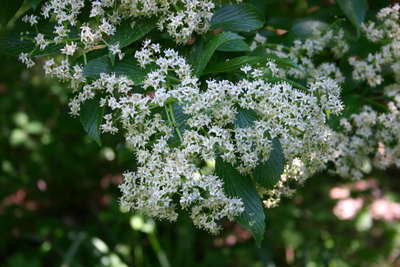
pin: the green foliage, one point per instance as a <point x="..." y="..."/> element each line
<point x="92" y="117"/>
<point x="59" y="190"/>
<point x="126" y="66"/>
<point x="127" y="34"/>
<point x="267" y="174"/>
<point x="8" y="10"/>
<point x="210" y="48"/>
<point x="355" y="11"/>
<point x="238" y="185"/>
<point x="237" y="18"/>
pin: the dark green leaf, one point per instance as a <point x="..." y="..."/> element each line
<point x="245" y="118"/>
<point x="303" y="29"/>
<point x="240" y="17"/>
<point x="8" y="10"/>
<point x="125" y="35"/>
<point x="93" y="55"/>
<point x="124" y="154"/>
<point x="268" y="173"/>
<point x="127" y="66"/>
<point x="91" y="117"/>
<point x="293" y="83"/>
<point x="11" y="43"/>
<point x="234" y="46"/>
<point x="312" y="3"/>
<point x="180" y="119"/>
<point x="211" y="47"/>
<point x="236" y="63"/>
<point x="34" y="3"/>
<point x="280" y="62"/>
<point x="283" y="62"/>
<point x="196" y="52"/>
<point x="352" y="105"/>
<point x="237" y="185"/>
<point x="280" y="23"/>
<point x="355" y="11"/>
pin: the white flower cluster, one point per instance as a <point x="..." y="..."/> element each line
<point x="179" y="121"/>
<point x="304" y="52"/>
<point x="174" y="96"/>
<point x="297" y="118"/>
<point x="368" y="133"/>
<point x="181" y="18"/>
<point x="387" y="34"/>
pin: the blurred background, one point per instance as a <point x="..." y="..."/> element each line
<point x="59" y="201"/>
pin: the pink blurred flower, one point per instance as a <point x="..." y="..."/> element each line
<point x="346" y="209"/>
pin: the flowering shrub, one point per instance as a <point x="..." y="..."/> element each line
<point x="192" y="84"/>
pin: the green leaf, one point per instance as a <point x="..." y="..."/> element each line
<point x="292" y="83"/>
<point x="124" y="154"/>
<point x="127" y="66"/>
<point x="210" y="49"/>
<point x="8" y="10"/>
<point x="234" y="64"/>
<point x="245" y="118"/>
<point x="91" y="116"/>
<point x="280" y="23"/>
<point x="125" y="34"/>
<point x="254" y="61"/>
<point x="280" y="62"/>
<point x="11" y="43"/>
<point x="34" y="3"/>
<point x="93" y="55"/>
<point x="180" y="119"/>
<point x="268" y="173"/>
<point x="352" y="105"/>
<point x="234" y="46"/>
<point x="237" y="185"/>
<point x="355" y="11"/>
<point x="303" y="29"/>
<point x="240" y="17"/>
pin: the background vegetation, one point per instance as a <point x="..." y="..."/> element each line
<point x="59" y="197"/>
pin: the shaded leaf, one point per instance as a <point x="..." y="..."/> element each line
<point x="12" y="44"/>
<point x="180" y="119"/>
<point x="127" y="66"/>
<point x="292" y="83"/>
<point x="125" y="34"/>
<point x="268" y="173"/>
<point x="245" y="118"/>
<point x="8" y="10"/>
<point x="236" y="63"/>
<point x="240" y="17"/>
<point x="124" y="154"/>
<point x="34" y="3"/>
<point x="210" y="49"/>
<point x="234" y="46"/>
<point x="237" y="185"/>
<point x="355" y="11"/>
<point x="91" y="117"/>
<point x="352" y="105"/>
<point x="304" y="29"/>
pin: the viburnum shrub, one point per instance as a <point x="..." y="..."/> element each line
<point x="224" y="112"/>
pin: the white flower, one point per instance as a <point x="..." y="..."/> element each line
<point x="70" y="49"/>
<point x="40" y="41"/>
